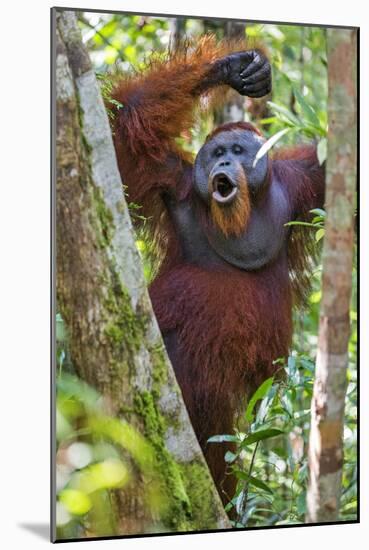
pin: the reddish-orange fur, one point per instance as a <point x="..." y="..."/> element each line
<point x="230" y="324"/>
<point x="229" y="126"/>
<point x="232" y="219"/>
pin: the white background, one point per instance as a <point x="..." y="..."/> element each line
<point x="25" y="273"/>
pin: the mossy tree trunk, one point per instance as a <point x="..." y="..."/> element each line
<point x="328" y="403"/>
<point x="114" y="340"/>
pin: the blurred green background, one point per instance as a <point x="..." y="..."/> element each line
<point x="91" y="463"/>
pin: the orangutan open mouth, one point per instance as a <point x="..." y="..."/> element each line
<point x="225" y="190"/>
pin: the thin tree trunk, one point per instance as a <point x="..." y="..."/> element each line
<point x="178" y="31"/>
<point x="327" y="409"/>
<point x="114" y="339"/>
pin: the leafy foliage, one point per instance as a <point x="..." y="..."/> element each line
<point x="96" y="454"/>
<point x="270" y="460"/>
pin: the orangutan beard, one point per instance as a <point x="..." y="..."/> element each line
<point x="233" y="218"/>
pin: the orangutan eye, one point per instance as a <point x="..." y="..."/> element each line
<point x="219" y="151"/>
<point x="237" y="149"/>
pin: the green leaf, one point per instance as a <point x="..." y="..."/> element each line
<point x="70" y="387"/>
<point x="319" y="212"/>
<point x="230" y="457"/>
<point x="228" y="507"/>
<point x="118" y="104"/>
<point x="265" y="404"/>
<point x="322" y="150"/>
<point x="268" y="120"/>
<point x="260" y="484"/>
<point x="291" y="366"/>
<point x="240" y="474"/>
<point x="279" y="451"/>
<point x="259" y="394"/>
<point x="60" y="329"/>
<point x="269" y="144"/>
<point x="301" y="503"/>
<point x="319" y="234"/>
<point x="305" y="224"/>
<point x="261" y="435"/>
<point x="76" y="502"/>
<point x="287" y="403"/>
<point x="286" y="113"/>
<point x="109" y="474"/>
<point x="222" y="438"/>
<point x="306" y="109"/>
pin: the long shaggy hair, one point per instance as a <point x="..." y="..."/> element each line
<point x="232" y="219"/>
<point x="229" y="325"/>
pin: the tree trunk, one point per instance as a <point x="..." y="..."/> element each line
<point x="178" y="31"/>
<point x="327" y="409"/>
<point x="114" y="339"/>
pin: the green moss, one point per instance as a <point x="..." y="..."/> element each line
<point x="114" y="333"/>
<point x="187" y="485"/>
<point x="126" y="326"/>
<point x="160" y="367"/>
<point x="179" y="512"/>
<point x="105" y="231"/>
<point x="197" y="482"/>
<point x="80" y="116"/>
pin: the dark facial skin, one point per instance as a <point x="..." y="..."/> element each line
<point x="220" y="160"/>
<point x="263" y="240"/>
<point x="265" y="235"/>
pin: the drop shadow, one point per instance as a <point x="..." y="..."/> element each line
<point x="42" y="530"/>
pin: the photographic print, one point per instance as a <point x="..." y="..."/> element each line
<point x="204" y="212"/>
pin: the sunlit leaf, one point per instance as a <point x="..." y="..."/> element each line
<point x="109" y="474"/>
<point x="286" y="114"/>
<point x="259" y="394"/>
<point x="222" y="438"/>
<point x="319" y="234"/>
<point x="124" y="435"/>
<point x="266" y="404"/>
<point x="268" y="120"/>
<point x="76" y="502"/>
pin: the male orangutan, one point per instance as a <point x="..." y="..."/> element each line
<point x="231" y="267"/>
